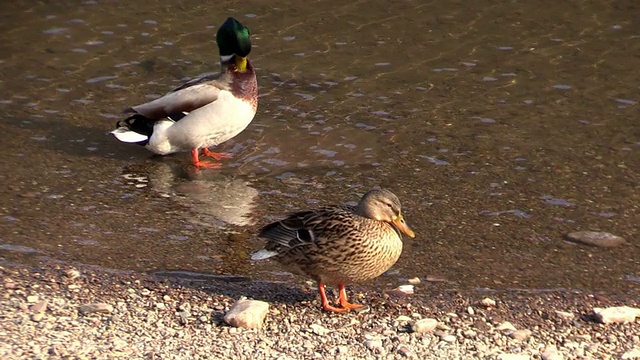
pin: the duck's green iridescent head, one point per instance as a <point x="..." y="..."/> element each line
<point x="234" y="39"/>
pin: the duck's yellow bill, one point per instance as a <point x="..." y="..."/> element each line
<point x="402" y="226"/>
<point x="241" y="63"/>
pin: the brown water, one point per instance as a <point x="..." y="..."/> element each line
<point x="500" y="125"/>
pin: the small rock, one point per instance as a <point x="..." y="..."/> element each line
<point x="616" y="314"/>
<point x="407" y="289"/>
<point x="471" y="311"/>
<point x="373" y="344"/>
<point x="506" y="326"/>
<point x="403" y="318"/>
<point x="160" y="306"/>
<point x="39" y="307"/>
<point x="514" y="357"/>
<point x="448" y="338"/>
<point x="423" y="326"/>
<point x="565" y="315"/>
<point x="72" y="273"/>
<point x="343" y="349"/>
<point x="486" y="302"/>
<point x="95" y="308"/>
<point x="631" y="354"/>
<point x="414" y="281"/>
<point x="319" y="329"/>
<point x="32" y="299"/>
<point x="551" y="353"/>
<point x="470" y="334"/>
<point x="406" y="352"/>
<point x="594" y="238"/>
<point x="37" y="317"/>
<point x="248" y="314"/>
<point x="9" y="284"/>
<point x="521" y="335"/>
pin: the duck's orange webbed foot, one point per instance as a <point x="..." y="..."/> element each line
<point x="215" y="155"/>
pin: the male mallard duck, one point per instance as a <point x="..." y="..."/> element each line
<point x="337" y="245"/>
<point x="203" y="112"/>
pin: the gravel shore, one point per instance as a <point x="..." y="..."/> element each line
<point x="59" y="312"/>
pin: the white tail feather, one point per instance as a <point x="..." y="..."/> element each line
<point x="125" y="135"/>
<point x="263" y="254"/>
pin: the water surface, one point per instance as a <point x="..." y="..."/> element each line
<point x="501" y="127"/>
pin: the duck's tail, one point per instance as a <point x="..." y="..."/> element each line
<point x="134" y="129"/>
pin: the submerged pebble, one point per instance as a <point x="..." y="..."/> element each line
<point x="595" y="238"/>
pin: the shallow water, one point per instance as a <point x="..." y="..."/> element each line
<point x="501" y="127"/>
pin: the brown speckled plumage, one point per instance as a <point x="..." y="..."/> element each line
<point x="340" y="244"/>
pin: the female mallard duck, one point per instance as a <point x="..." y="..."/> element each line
<point x="339" y="244"/>
<point x="204" y="112"/>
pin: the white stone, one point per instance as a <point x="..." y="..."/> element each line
<point x="373" y="344"/>
<point x="423" y="326"/>
<point x="318" y="329"/>
<point x="506" y="326"/>
<point x="616" y="314"/>
<point x="514" y="357"/>
<point x="551" y="353"/>
<point x="631" y="354"/>
<point x="486" y="302"/>
<point x="247" y="314"/>
<point x="521" y="335"/>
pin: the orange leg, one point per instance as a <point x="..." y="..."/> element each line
<point x="325" y="302"/>
<point x="343" y="300"/>
<point x="215" y="155"/>
<point x="202" y="164"/>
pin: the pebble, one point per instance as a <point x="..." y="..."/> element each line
<point x="32" y="298"/>
<point x="373" y="344"/>
<point x="39" y="307"/>
<point x="616" y="314"/>
<point x="631" y="354"/>
<point x="406" y="352"/>
<point x="594" y="238"/>
<point x="72" y="273"/>
<point x="9" y="284"/>
<point x="551" y="353"/>
<point x="514" y="357"/>
<point x="407" y="289"/>
<point x="248" y="314"/>
<point x="521" y="335"/>
<point x="423" y="326"/>
<point x="486" y="302"/>
<point x="319" y="329"/>
<point x="565" y="315"/>
<point x="448" y="338"/>
<point x="95" y="308"/>
<point x="470" y="334"/>
<point x="506" y="326"/>
<point x="471" y="311"/>
<point x="414" y="281"/>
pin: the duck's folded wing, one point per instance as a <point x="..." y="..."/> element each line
<point x="188" y="97"/>
<point x="288" y="233"/>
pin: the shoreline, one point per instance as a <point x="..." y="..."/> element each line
<point x="152" y="317"/>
